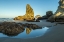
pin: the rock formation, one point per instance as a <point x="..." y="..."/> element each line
<point x="29" y="14"/>
<point x="37" y="16"/>
<point x="48" y="14"/>
<point x="59" y="14"/>
<point x="19" y="18"/>
<point x="11" y="28"/>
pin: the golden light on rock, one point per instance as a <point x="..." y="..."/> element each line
<point x="59" y="13"/>
<point x="28" y="16"/>
<point x="63" y="2"/>
<point x="62" y="6"/>
<point x="28" y="30"/>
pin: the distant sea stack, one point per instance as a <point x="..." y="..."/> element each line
<point x="28" y="16"/>
<point x="59" y="14"/>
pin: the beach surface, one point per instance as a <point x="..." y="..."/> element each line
<point x="53" y="34"/>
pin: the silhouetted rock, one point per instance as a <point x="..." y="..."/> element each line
<point x="48" y="14"/>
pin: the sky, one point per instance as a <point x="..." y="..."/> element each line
<point x="14" y="8"/>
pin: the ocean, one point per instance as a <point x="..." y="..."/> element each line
<point x="6" y="19"/>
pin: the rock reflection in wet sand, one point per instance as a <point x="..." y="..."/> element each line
<point x="28" y="30"/>
<point x="15" y="30"/>
<point x="31" y="33"/>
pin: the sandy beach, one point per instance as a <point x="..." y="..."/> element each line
<point x="54" y="34"/>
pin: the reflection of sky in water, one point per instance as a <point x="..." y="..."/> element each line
<point x="2" y="35"/>
<point x="33" y="33"/>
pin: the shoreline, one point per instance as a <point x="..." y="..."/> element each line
<point x="54" y="35"/>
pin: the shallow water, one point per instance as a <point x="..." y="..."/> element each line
<point x="31" y="34"/>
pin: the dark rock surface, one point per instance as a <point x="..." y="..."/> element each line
<point x="48" y="14"/>
<point x="33" y="26"/>
<point x="11" y="28"/>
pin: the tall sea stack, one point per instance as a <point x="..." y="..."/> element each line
<point x="29" y="14"/>
<point x="59" y="14"/>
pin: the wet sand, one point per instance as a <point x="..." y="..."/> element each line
<point x="54" y="34"/>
